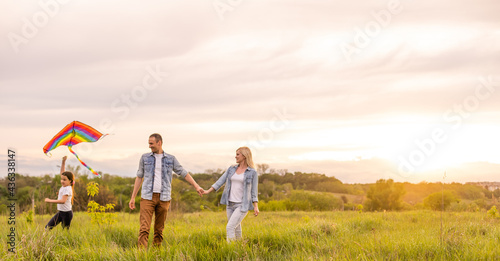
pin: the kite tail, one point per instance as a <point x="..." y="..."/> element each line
<point x="83" y="163"/>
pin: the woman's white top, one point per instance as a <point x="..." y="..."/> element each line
<point x="236" y="194"/>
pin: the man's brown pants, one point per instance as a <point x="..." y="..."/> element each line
<point x="160" y="209"/>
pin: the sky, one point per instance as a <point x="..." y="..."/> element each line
<point x="364" y="90"/>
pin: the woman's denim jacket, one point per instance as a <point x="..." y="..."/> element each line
<point x="250" y="187"/>
<point x="147" y="171"/>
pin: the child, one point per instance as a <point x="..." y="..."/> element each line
<point x="64" y="200"/>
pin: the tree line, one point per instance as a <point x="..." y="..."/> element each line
<point x="279" y="190"/>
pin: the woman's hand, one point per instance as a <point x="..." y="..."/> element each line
<point x="208" y="191"/>
<point x="255" y="209"/>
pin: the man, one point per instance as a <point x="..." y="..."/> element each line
<point x="155" y="168"/>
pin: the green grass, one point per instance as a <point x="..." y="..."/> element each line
<point x="414" y="235"/>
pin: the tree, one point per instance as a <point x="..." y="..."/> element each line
<point x="262" y="168"/>
<point x="496" y="193"/>
<point x="440" y="200"/>
<point x="280" y="172"/>
<point x="267" y="189"/>
<point x="385" y="195"/>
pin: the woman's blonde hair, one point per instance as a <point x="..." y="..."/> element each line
<point x="245" y="151"/>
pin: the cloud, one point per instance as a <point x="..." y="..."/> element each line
<point x="225" y="79"/>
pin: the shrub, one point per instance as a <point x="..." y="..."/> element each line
<point x="99" y="214"/>
<point x="440" y="200"/>
<point x="493" y="212"/>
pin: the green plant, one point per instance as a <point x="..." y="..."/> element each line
<point x="385" y="195"/>
<point x="440" y="200"/>
<point x="92" y="189"/>
<point x="99" y="214"/>
<point x="29" y="217"/>
<point x="493" y="212"/>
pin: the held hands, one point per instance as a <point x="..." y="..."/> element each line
<point x="200" y="191"/>
<point x="208" y="191"/>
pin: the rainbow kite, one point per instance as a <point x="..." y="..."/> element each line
<point x="73" y="134"/>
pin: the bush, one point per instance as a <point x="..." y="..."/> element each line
<point x="493" y="212"/>
<point x="29" y="217"/>
<point x="99" y="214"/>
<point x="385" y="195"/>
<point x="440" y="200"/>
<point x="273" y="205"/>
<point x="458" y="207"/>
<point x="304" y="201"/>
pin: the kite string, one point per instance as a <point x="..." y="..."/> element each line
<point x="83" y="163"/>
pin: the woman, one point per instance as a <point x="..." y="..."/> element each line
<point x="240" y="192"/>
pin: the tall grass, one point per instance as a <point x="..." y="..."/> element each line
<point x="271" y="236"/>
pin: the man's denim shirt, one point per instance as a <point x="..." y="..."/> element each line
<point x="250" y="187"/>
<point x="147" y="170"/>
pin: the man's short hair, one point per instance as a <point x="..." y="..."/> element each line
<point x="157" y="137"/>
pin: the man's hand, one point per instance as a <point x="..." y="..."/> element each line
<point x="191" y="181"/>
<point x="200" y="191"/>
<point x="131" y="204"/>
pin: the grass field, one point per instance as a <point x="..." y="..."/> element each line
<point x="346" y="235"/>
